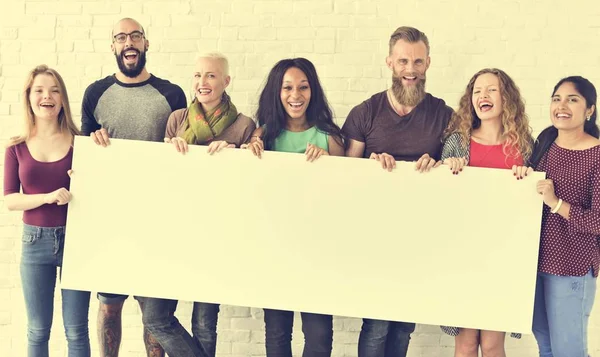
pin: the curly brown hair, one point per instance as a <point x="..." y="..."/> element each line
<point x="515" y="122"/>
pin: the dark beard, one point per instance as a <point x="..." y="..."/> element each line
<point x="409" y="96"/>
<point x="135" y="71"/>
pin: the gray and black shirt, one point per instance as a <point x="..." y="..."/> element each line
<point x="133" y="111"/>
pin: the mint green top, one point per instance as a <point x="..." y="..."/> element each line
<point x="290" y="141"/>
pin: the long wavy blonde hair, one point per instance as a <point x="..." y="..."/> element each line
<point x="516" y="131"/>
<point x="65" y="119"/>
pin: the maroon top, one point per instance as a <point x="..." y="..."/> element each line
<point x="570" y="247"/>
<point x="22" y="170"/>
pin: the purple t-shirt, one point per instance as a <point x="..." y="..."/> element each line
<point x="21" y="170"/>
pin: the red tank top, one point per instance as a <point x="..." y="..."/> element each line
<point x="492" y="156"/>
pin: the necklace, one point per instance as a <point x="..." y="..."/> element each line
<point x="391" y="100"/>
<point x="401" y="113"/>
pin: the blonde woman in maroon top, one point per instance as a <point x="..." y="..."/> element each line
<point x="489" y="129"/>
<point x="569" y="153"/>
<point x="36" y="182"/>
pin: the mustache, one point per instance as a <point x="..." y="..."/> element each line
<point x="122" y="54"/>
<point x="127" y="70"/>
<point x="408" y="95"/>
<point x="411" y="74"/>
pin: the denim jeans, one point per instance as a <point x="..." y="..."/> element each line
<point x="317" y="329"/>
<point x="379" y="338"/>
<point x="561" y="313"/>
<point x="172" y="336"/>
<point x="42" y="254"/>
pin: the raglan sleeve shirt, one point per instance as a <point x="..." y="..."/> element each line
<point x="88" y="121"/>
<point x="173" y="93"/>
<point x="91" y="96"/>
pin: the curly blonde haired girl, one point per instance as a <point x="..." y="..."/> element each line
<point x="490" y="112"/>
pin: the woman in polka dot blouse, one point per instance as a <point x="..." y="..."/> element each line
<point x="569" y="153"/>
<point x="489" y="129"/>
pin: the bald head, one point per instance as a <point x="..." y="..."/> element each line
<point x="127" y="25"/>
<point x="129" y="45"/>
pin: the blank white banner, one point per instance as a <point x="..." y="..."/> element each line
<point x="338" y="236"/>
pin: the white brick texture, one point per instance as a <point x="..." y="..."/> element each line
<point x="535" y="42"/>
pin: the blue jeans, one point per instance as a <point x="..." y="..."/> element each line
<point x="41" y="256"/>
<point x="157" y="316"/>
<point x="561" y="312"/>
<point x="379" y="338"/>
<point x="317" y="329"/>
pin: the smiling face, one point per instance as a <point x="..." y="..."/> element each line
<point x="568" y="109"/>
<point x="409" y="63"/>
<point x="486" y="99"/>
<point x="209" y="82"/>
<point x="295" y="93"/>
<point x="129" y="47"/>
<point x="45" y="98"/>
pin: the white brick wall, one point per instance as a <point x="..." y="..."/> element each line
<point x="536" y="42"/>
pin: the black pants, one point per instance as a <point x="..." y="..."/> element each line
<point x="317" y="329"/>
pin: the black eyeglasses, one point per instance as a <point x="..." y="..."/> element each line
<point x="135" y="36"/>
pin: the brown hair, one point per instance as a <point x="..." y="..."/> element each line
<point x="65" y="119"/>
<point x="515" y="122"/>
<point x="409" y="34"/>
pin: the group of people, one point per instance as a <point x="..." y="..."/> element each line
<point x="490" y="128"/>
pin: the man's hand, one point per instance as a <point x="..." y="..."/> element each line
<point x="100" y="137"/>
<point x="425" y="163"/>
<point x="387" y="161"/>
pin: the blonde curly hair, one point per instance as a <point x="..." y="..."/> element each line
<point x="516" y="131"/>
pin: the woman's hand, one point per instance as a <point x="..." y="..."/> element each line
<point x="456" y="164"/>
<point x="217" y="146"/>
<point x="546" y="189"/>
<point x="257" y="147"/>
<point x="521" y="171"/>
<point x="313" y="152"/>
<point x="61" y="197"/>
<point x="179" y="143"/>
